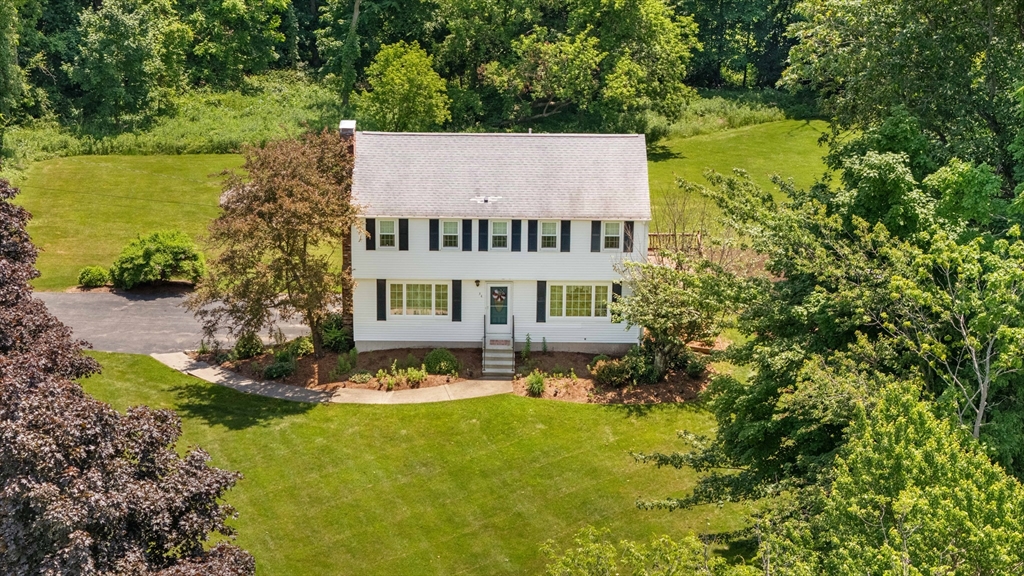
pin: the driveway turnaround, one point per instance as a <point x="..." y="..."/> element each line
<point x="215" y="375"/>
<point x="134" y="323"/>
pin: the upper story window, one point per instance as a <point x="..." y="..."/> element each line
<point x="386" y="233"/>
<point x="549" y="235"/>
<point x="612" y="235"/>
<point x="450" y="234"/>
<point x="499" y="234"/>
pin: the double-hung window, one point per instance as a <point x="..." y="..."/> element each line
<point x="450" y="234"/>
<point x="612" y="235"/>
<point x="578" y="300"/>
<point x="499" y="234"/>
<point x="549" y="235"/>
<point x="418" y="299"/>
<point x="386" y="234"/>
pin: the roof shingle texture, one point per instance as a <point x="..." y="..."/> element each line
<point x="557" y="176"/>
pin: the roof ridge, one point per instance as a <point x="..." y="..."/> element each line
<point x="504" y="134"/>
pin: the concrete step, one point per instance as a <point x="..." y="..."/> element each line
<point x="497" y="371"/>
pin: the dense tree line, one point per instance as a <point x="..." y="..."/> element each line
<point x="566" y="64"/>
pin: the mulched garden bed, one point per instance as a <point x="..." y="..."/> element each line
<point x="469" y="359"/>
<point x="676" y="387"/>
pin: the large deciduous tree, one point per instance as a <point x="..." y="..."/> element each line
<point x="406" y="94"/>
<point x="10" y="73"/>
<point x="131" y="53"/>
<point x="953" y="65"/>
<point x="277" y="236"/>
<point x="85" y="489"/>
<point x="912" y="494"/>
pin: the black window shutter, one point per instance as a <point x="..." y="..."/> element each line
<point x="456" y="300"/>
<point x="542" y="300"/>
<point x="435" y="235"/>
<point x="482" y="236"/>
<point x="595" y="236"/>
<point x="382" y="300"/>
<point x="627" y="237"/>
<point x="517" y="235"/>
<point x="531" y="235"/>
<point x="403" y="234"/>
<point x="566" y="233"/>
<point x="616" y="294"/>
<point x="371" y="234"/>
<point x="467" y="235"/>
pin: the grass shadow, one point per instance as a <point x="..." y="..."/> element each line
<point x="662" y="153"/>
<point x="220" y="406"/>
<point x="645" y="410"/>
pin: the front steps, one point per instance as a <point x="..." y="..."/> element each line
<point x="499" y="359"/>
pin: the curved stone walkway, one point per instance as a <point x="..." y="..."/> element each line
<point x="457" y="391"/>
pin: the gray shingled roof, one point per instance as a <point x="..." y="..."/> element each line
<point x="558" y="176"/>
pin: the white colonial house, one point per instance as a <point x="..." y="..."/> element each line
<point x="478" y="240"/>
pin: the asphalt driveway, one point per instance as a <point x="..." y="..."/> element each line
<point x="138" y="324"/>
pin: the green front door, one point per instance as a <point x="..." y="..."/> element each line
<point x="499" y="306"/>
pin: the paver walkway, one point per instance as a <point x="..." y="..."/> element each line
<point x="457" y="391"/>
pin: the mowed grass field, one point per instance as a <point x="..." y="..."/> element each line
<point x="788" y="148"/>
<point x="466" y="487"/>
<point x="86" y="208"/>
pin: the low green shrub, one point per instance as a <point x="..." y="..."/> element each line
<point x="93" y="277"/>
<point x="361" y="377"/>
<point x="613" y="373"/>
<point x="335" y="337"/>
<point x="441" y="361"/>
<point x="535" y="383"/>
<point x="248" y="346"/>
<point x="279" y="369"/>
<point x="346" y="364"/>
<point x="639" y="362"/>
<point x="301" y="346"/>
<point x="697" y="366"/>
<point x="526" y="347"/>
<point x="159" y="256"/>
<point x="596" y="359"/>
<point x="411" y="361"/>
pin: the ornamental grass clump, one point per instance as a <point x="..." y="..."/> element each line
<point x="535" y="383"/>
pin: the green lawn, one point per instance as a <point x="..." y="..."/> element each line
<point x="85" y="208"/>
<point x="788" y="148"/>
<point x="467" y="487"/>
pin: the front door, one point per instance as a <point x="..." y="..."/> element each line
<point x="498" y="317"/>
